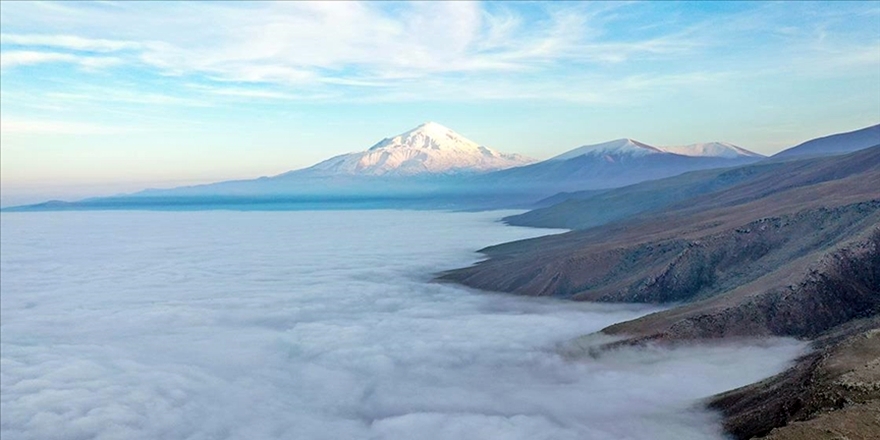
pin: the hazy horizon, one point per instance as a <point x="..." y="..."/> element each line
<point x="111" y="97"/>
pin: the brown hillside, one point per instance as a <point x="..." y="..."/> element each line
<point x="734" y="254"/>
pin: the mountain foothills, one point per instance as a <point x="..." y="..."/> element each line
<point x="432" y="166"/>
<point x="788" y="246"/>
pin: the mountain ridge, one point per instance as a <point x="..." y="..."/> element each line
<point x="549" y="265"/>
<point x="632" y="147"/>
<point x="711" y="149"/>
<point x="838" y="143"/>
<point x="581" y="210"/>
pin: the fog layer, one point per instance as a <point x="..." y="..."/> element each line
<point x="317" y="325"/>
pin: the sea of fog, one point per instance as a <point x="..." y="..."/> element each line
<point x="318" y="325"/>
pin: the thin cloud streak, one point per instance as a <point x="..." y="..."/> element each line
<point x="289" y="44"/>
<point x="42" y="127"/>
<point x="71" y="42"/>
<point x="11" y="59"/>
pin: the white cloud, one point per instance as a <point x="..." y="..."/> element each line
<point x="16" y="58"/>
<point x="71" y="42"/>
<point x="446" y="51"/>
<point x="304" y="42"/>
<point x="318" y="325"/>
<point x="118" y="95"/>
<point x="249" y="93"/>
<point x="40" y="126"/>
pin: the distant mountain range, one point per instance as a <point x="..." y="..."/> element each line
<point x="632" y="148"/>
<point x="617" y="163"/>
<point x="432" y="166"/>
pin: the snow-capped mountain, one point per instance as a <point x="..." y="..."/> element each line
<point x="620" y="162"/>
<point x="628" y="147"/>
<point x="429" y="148"/>
<point x="711" y="149"/>
<point x="634" y="148"/>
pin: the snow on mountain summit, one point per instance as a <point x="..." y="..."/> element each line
<point x="429" y="148"/>
<point x="616" y="147"/>
<point x="711" y="149"/>
<point x="633" y="148"/>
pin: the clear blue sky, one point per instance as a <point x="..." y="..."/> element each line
<point x="106" y="97"/>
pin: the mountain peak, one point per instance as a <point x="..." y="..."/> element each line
<point x="426" y="135"/>
<point x="618" y="146"/>
<point x="711" y="149"/>
<point x="431" y="127"/>
<point x="634" y="148"/>
<point x="429" y="148"/>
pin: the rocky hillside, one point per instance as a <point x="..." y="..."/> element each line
<point x="587" y="209"/>
<point x="840" y="287"/>
<point x="762" y="236"/>
<point x="789" y="250"/>
<point x="584" y="209"/>
<point x="831" y="393"/>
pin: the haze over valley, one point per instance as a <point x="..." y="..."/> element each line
<point x="440" y="220"/>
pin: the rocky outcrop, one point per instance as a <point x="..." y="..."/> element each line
<point x="831" y="393"/>
<point x="843" y="286"/>
<point x="744" y="257"/>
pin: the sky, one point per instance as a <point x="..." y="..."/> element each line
<point x="107" y="97"/>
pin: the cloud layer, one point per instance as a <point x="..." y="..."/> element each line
<point x="319" y="325"/>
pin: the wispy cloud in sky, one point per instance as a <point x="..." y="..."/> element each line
<point x="71" y="42"/>
<point x="31" y="126"/>
<point x="337" y="44"/>
<point x="357" y="48"/>
<point x="17" y="58"/>
<point x="536" y="78"/>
